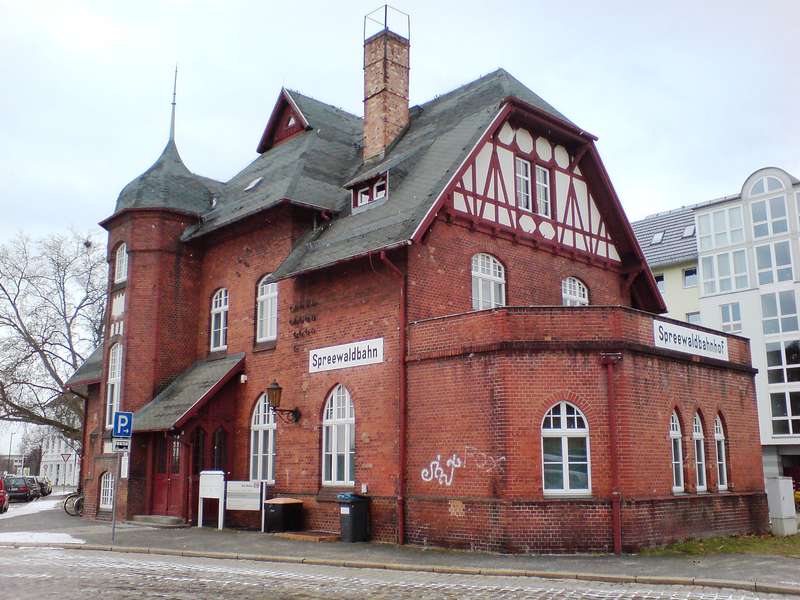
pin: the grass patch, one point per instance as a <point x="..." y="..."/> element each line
<point x="735" y="544"/>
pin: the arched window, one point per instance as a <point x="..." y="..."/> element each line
<point x="699" y="453"/>
<point x="722" y="462"/>
<point x="766" y="185"/>
<point x="262" y="442"/>
<point x="219" y="320"/>
<point x="339" y="439"/>
<point x="676" y="439"/>
<point x="488" y="282"/>
<point x="121" y="263"/>
<point x="267" y="311"/>
<point x="574" y="292"/>
<point x="113" y="387"/>
<point x="106" y="491"/>
<point x="565" y="450"/>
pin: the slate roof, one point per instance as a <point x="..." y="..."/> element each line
<point x="194" y="386"/>
<point x="91" y="371"/>
<point x="168" y="183"/>
<point x="420" y="163"/>
<point x="674" y="248"/>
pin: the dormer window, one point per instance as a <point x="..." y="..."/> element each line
<point x="377" y="189"/>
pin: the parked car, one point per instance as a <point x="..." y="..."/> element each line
<point x="18" y="489"/>
<point x="45" y="487"/>
<point x="34" y="485"/>
<point x="4" y="499"/>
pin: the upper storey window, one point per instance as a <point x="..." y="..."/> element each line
<point x="525" y="201"/>
<point x="368" y="193"/>
<point x="522" y="171"/>
<point x="769" y="217"/>
<point x="543" y="191"/>
<point x="720" y="228"/>
<point x="267" y="311"/>
<point x="488" y="282"/>
<point x="219" y="320"/>
<point x="574" y="292"/>
<point x="765" y="185"/>
<point x="121" y="263"/>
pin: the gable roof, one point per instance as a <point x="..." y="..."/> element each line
<point x="187" y="393"/>
<point x="674" y="247"/>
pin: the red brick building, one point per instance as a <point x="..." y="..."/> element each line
<point x="453" y="299"/>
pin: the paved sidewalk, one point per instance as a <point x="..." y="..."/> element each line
<point x="768" y="570"/>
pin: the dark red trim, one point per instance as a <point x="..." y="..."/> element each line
<point x="284" y="100"/>
<point x="550" y="121"/>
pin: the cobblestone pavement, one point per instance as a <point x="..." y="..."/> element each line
<point x="70" y="575"/>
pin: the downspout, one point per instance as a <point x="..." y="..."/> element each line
<point x="610" y="360"/>
<point x="401" y="409"/>
<point x="84" y="433"/>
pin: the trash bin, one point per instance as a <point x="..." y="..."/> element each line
<point x="353" y="517"/>
<point x="283" y="514"/>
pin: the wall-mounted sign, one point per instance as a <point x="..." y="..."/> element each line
<point x="691" y="341"/>
<point x="343" y="356"/>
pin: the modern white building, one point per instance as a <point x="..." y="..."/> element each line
<point x="749" y="270"/>
<point x="60" y="460"/>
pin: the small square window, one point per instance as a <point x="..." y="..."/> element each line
<point x="690" y="277"/>
<point x="693" y="318"/>
<point x="658" y="237"/>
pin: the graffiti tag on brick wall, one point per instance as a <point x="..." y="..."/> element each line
<point x="443" y="475"/>
<point x="436" y="472"/>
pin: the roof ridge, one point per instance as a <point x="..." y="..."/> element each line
<point x="326" y="104"/>
<point x="481" y="79"/>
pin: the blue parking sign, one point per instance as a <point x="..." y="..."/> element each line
<point x="123" y="424"/>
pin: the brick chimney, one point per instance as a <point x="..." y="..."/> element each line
<point x="385" y="90"/>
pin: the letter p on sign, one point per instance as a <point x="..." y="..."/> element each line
<point x="123" y="424"/>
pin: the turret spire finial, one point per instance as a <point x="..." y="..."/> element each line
<point x="172" y="120"/>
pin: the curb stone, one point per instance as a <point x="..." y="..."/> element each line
<point x="752" y="586"/>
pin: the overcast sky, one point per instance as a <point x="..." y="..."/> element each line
<point x="688" y="98"/>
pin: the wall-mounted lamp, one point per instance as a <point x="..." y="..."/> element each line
<point x="292" y="415"/>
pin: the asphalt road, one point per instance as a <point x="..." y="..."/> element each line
<point x="71" y="575"/>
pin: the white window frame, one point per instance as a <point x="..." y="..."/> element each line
<point x="262" y="442"/>
<point x="691" y="315"/>
<point x="523" y="183"/>
<point x="362" y="197"/>
<point x="696" y="277"/>
<point x="565" y="421"/>
<point x="783" y="368"/>
<point x="782" y="319"/>
<point x="701" y="477"/>
<point x="764" y="180"/>
<point x="267" y="311"/>
<point x="770" y="221"/>
<point x="376" y="194"/>
<point x="121" y="263"/>
<point x="731" y="324"/>
<point x="113" y="383"/>
<point x="488" y="271"/>
<point x="773" y="272"/>
<point x="106" y="491"/>
<point x="722" y="455"/>
<point x="792" y="416"/>
<point x="661" y="283"/>
<point x="720" y="228"/>
<point x="543" y="194"/>
<point x="219" y="320"/>
<point x="713" y="282"/>
<point x="338" y="416"/>
<point x="574" y="292"/>
<point x="676" y="452"/>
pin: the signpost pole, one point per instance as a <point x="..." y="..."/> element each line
<point x="114" y="503"/>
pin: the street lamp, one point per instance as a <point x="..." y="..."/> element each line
<point x="274" y="399"/>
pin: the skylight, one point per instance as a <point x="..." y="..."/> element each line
<point x="253" y="184"/>
<point x="689" y="231"/>
<point x="657" y="238"/>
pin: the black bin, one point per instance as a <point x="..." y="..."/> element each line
<point x="353" y="517"/>
<point x="283" y="514"/>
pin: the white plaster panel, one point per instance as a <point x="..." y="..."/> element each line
<point x="524" y="140"/>
<point x="478" y="206"/>
<point x="488" y="212"/>
<point x="471" y="204"/>
<point x="580" y="242"/>
<point x="596" y="221"/>
<point x="582" y="204"/>
<point x="562" y="157"/>
<point x="506" y="133"/>
<point x="482" y="165"/>
<point x="562" y="187"/>
<point x="527" y="224"/>
<point x="458" y="202"/>
<point x="543" y="148"/>
<point x="502" y="216"/>
<point x="466" y="181"/>
<point x="612" y="252"/>
<point x="546" y="229"/>
<point x="490" y="192"/>
<point x="506" y="159"/>
<point x="568" y="241"/>
<point x="601" y="248"/>
<point x="577" y="171"/>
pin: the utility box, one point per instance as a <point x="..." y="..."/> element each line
<point x="353" y="517"/>
<point x="283" y="514"/>
<point x="782" y="514"/>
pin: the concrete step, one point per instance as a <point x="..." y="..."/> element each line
<point x="163" y="521"/>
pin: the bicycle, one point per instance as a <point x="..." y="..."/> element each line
<point x="73" y="504"/>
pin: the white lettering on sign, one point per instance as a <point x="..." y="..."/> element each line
<point x="691" y="341"/>
<point x="343" y="356"/>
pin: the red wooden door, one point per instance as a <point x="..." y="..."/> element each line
<point x="169" y="490"/>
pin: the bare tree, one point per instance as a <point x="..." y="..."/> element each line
<point x="52" y="297"/>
